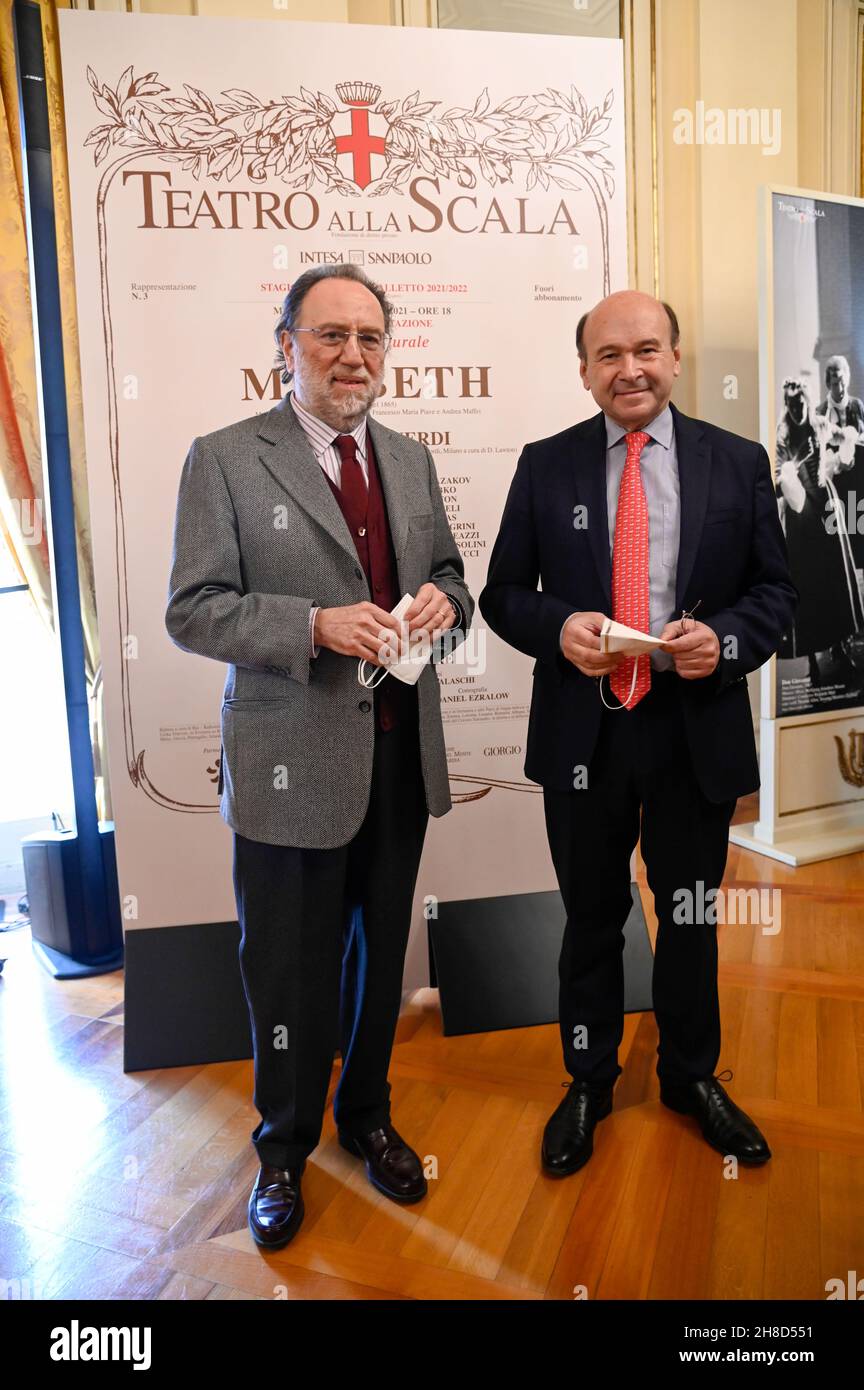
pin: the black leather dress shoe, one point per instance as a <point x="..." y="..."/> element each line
<point x="391" y="1165"/>
<point x="275" y="1206"/>
<point x="568" y="1139"/>
<point x="726" y="1127"/>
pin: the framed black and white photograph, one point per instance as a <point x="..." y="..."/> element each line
<point x="816" y="384"/>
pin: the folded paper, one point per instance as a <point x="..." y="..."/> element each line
<point x="615" y="637"/>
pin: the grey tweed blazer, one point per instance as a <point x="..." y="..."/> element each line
<point x="259" y="539"/>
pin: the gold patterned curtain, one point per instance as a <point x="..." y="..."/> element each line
<point x="22" y="479"/>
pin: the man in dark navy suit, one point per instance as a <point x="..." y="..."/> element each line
<point x="645" y="516"/>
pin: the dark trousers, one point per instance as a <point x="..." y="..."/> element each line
<point x="322" y="951"/>
<point x="640" y="767"/>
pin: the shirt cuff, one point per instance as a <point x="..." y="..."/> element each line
<point x="457" y="609"/>
<point x="312" y="614"/>
<point x="563" y="625"/>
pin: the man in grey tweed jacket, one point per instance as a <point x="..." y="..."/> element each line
<point x="289" y="525"/>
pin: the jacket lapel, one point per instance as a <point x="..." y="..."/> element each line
<point x="286" y="453"/>
<point x="694" y="481"/>
<point x="590" y="476"/>
<point x="392" y="474"/>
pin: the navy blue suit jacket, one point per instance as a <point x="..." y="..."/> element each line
<point x="732" y="557"/>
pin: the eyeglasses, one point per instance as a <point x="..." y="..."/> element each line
<point x="371" y="344"/>
<point x="688" y="617"/>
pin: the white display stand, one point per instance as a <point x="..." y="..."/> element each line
<point x="800" y="818"/>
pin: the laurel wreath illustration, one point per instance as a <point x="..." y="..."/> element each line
<point x="554" y="137"/>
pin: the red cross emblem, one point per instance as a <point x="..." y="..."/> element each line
<point x="361" y="144"/>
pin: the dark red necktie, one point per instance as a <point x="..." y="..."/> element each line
<point x="352" y="484"/>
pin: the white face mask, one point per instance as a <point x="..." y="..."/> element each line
<point x="413" y="654"/>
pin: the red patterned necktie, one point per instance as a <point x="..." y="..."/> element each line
<point x="630" y="592"/>
<point x="352" y="484"/>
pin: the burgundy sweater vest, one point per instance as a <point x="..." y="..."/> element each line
<point x="374" y="545"/>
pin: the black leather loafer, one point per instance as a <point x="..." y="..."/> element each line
<point x="275" y="1206"/>
<point x="391" y="1165"/>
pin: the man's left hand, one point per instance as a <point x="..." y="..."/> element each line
<point x="695" y="651"/>
<point x="431" y="610"/>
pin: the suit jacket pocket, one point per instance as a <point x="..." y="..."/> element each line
<point x="243" y="700"/>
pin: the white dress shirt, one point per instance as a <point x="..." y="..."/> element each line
<point x="321" y="437"/>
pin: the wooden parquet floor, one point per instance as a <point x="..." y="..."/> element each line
<point x="135" y="1186"/>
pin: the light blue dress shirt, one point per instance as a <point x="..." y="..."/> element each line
<point x="658" y="465"/>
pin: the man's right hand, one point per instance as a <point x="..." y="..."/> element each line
<point x="580" y="643"/>
<point x="356" y="630"/>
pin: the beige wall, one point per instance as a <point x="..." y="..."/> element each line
<point x="370" y="11"/>
<point x="798" y="56"/>
<point x="734" y="41"/>
<point x="324" y="10"/>
<point x="351" y="11"/>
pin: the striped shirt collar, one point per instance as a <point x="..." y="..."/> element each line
<point x="660" y="429"/>
<point x="321" y="435"/>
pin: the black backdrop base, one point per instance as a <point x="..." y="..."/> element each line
<point x="496" y="965"/>
<point x="184" y="997"/>
<point x="496" y="961"/>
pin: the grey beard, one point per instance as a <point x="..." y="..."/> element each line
<point x="353" y="406"/>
